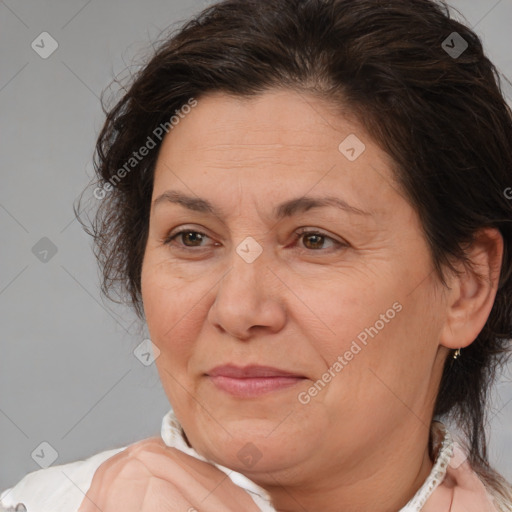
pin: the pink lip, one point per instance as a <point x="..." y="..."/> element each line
<point x="252" y="371"/>
<point x="251" y="380"/>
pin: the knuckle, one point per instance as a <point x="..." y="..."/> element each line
<point x="151" y="444"/>
<point x="145" y="442"/>
<point x="133" y="469"/>
<point x="106" y="466"/>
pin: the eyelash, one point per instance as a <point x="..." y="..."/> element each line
<point x="298" y="234"/>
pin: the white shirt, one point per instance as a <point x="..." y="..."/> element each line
<point x="62" y="488"/>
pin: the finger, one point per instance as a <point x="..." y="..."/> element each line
<point x="119" y="476"/>
<point x="203" y="484"/>
<point x="212" y="492"/>
<point x="159" y="495"/>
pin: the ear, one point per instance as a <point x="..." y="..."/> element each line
<point x="471" y="297"/>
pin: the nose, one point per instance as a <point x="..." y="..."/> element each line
<point x="249" y="299"/>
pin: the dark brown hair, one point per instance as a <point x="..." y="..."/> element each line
<point x="441" y="117"/>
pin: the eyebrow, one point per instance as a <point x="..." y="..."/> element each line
<point x="285" y="209"/>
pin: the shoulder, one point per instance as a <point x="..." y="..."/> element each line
<point x="57" y="488"/>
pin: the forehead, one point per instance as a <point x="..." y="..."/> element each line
<point x="277" y="142"/>
<point x="297" y="121"/>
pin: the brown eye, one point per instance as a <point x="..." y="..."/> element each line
<point x="188" y="237"/>
<point x="194" y="237"/>
<point x="315" y="240"/>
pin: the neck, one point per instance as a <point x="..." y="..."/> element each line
<point x="386" y="480"/>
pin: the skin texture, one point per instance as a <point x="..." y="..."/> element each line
<point x="361" y="442"/>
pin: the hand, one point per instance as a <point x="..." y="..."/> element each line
<point x="149" y="476"/>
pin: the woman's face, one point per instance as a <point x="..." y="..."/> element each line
<point x="351" y="309"/>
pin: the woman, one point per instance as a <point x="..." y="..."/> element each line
<point x="306" y="201"/>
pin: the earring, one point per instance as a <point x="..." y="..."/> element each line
<point x="456" y="354"/>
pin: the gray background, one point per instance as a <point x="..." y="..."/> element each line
<point x="68" y="375"/>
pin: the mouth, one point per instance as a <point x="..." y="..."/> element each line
<point x="251" y="381"/>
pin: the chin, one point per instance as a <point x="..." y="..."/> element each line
<point x="252" y="446"/>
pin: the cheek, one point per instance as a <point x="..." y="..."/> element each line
<point x="388" y="367"/>
<point x="350" y="306"/>
<point x="379" y="329"/>
<point x="169" y="311"/>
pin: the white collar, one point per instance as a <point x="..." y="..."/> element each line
<point x="443" y="446"/>
<point x="172" y="435"/>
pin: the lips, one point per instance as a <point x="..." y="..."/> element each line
<point x="249" y="372"/>
<point x="252" y="381"/>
